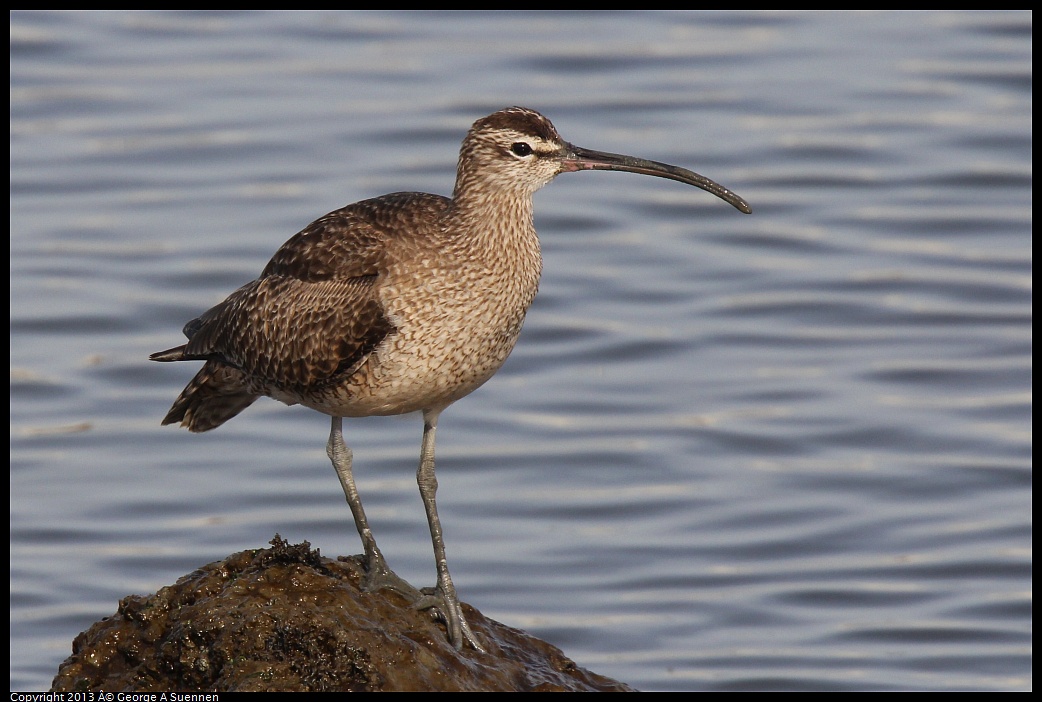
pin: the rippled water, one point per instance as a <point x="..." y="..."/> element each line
<point x="789" y="450"/>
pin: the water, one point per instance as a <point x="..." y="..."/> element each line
<point x="789" y="450"/>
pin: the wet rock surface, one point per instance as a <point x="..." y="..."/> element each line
<point x="287" y="619"/>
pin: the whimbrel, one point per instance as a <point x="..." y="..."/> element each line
<point x="402" y="303"/>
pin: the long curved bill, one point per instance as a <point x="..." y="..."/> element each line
<point x="579" y="159"/>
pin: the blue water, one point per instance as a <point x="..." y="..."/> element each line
<point x="790" y="450"/>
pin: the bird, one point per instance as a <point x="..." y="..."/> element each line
<point x="397" y="304"/>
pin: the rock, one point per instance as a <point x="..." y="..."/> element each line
<point x="287" y="619"/>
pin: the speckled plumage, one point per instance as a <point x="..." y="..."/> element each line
<point x="402" y="303"/>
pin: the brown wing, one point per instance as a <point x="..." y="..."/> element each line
<point x="356" y="240"/>
<point x="313" y="315"/>
<point x="293" y="334"/>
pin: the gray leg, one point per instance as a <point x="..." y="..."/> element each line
<point x="379" y="575"/>
<point x="444" y="597"/>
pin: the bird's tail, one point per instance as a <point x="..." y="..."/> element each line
<point x="216" y="394"/>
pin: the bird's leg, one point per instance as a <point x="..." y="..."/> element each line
<point x="443" y="598"/>
<point x="378" y="574"/>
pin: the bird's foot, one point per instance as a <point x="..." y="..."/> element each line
<point x="379" y="576"/>
<point x="447" y="608"/>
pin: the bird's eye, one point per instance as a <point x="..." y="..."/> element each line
<point x="521" y="149"/>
